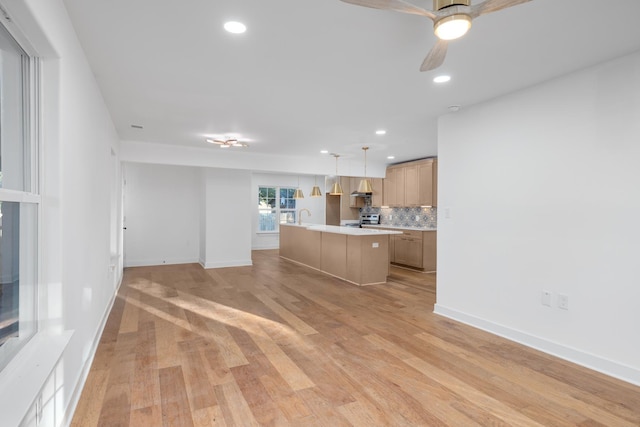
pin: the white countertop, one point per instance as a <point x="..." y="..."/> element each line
<point x="351" y="231"/>
<point x="396" y="227"/>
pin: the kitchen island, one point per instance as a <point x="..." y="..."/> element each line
<point x="357" y="255"/>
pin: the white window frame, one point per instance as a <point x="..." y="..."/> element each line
<point x="29" y="251"/>
<point x="276" y="209"/>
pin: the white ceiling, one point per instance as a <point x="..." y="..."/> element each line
<point x="323" y="74"/>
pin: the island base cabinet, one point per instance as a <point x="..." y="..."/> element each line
<point x="362" y="259"/>
<point x="334" y="254"/>
<point x="300" y="245"/>
<point x="366" y="257"/>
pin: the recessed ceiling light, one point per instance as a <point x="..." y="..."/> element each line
<point x="324" y="151"/>
<point x="441" y="79"/>
<point x="235" y="27"/>
<point x="381" y="132"/>
<point x="391" y="157"/>
<point x="454" y="108"/>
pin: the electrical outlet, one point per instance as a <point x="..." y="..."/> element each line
<point x="417" y="217"/>
<point x="390" y="217"/>
<point x="546" y="298"/>
<point x="375" y="245"/>
<point x="563" y="302"/>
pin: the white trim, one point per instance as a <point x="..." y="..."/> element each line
<point x="148" y="262"/>
<point x="222" y="264"/>
<point x="18" y="196"/>
<point x="265" y="248"/>
<point x="591" y="361"/>
<point x="84" y="373"/>
<point x="27" y="372"/>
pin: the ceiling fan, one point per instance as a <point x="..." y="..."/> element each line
<point x="451" y="19"/>
<point x="227" y="142"/>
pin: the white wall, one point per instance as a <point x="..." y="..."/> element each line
<point x="78" y="271"/>
<point x="227" y="234"/>
<point x="162" y="214"/>
<point x="214" y="157"/>
<point x="315" y="204"/>
<point x="541" y="190"/>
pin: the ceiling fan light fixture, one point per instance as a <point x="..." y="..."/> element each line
<point x="452" y="27"/>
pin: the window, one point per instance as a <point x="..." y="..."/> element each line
<point x="19" y="202"/>
<point x="276" y="205"/>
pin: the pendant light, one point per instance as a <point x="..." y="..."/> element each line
<point x="298" y="193"/>
<point x="336" y="190"/>
<point x="365" y="185"/>
<point x="315" y="191"/>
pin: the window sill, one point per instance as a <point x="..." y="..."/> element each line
<point x="24" y="377"/>
<point x="267" y="232"/>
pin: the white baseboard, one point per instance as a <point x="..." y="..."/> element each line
<point x="265" y="248"/>
<point x="579" y="357"/>
<point x="222" y="264"/>
<point x="150" y="262"/>
<point x="84" y="373"/>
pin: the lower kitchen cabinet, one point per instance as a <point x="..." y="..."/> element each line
<point x="408" y="250"/>
<point x="413" y="248"/>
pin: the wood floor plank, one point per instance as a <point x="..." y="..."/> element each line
<point x="285" y="314"/>
<point x="175" y="402"/>
<point x="145" y="390"/>
<point x="497" y="408"/>
<point x="291" y="373"/>
<point x="278" y="344"/>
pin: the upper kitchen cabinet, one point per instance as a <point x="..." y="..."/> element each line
<point x="411" y="184"/>
<point x="394" y="186"/>
<point x="378" y="192"/>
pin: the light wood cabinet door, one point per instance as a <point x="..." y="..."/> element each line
<point x="411" y="185"/>
<point x="378" y="191"/>
<point x="434" y="201"/>
<point x="425" y="187"/>
<point x="400" y="187"/>
<point x="392" y="247"/>
<point x="346" y="211"/>
<point x="429" y="248"/>
<point x="408" y="251"/>
<point x="389" y="184"/>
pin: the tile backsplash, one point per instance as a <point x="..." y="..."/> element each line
<point x="406" y="217"/>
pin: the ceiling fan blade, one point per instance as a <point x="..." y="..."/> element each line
<point x="435" y="58"/>
<point x="489" y="6"/>
<point x="397" y="5"/>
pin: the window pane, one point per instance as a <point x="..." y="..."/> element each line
<point x="287" y="217"/>
<point x="267" y="220"/>
<point x="18" y="240"/>
<point x="266" y="197"/>
<point x="14" y="153"/>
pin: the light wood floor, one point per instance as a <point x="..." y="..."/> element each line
<point x="278" y="344"/>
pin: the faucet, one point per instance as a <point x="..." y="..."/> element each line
<point x="300" y="215"/>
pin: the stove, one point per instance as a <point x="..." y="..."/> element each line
<point x="369" y="219"/>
